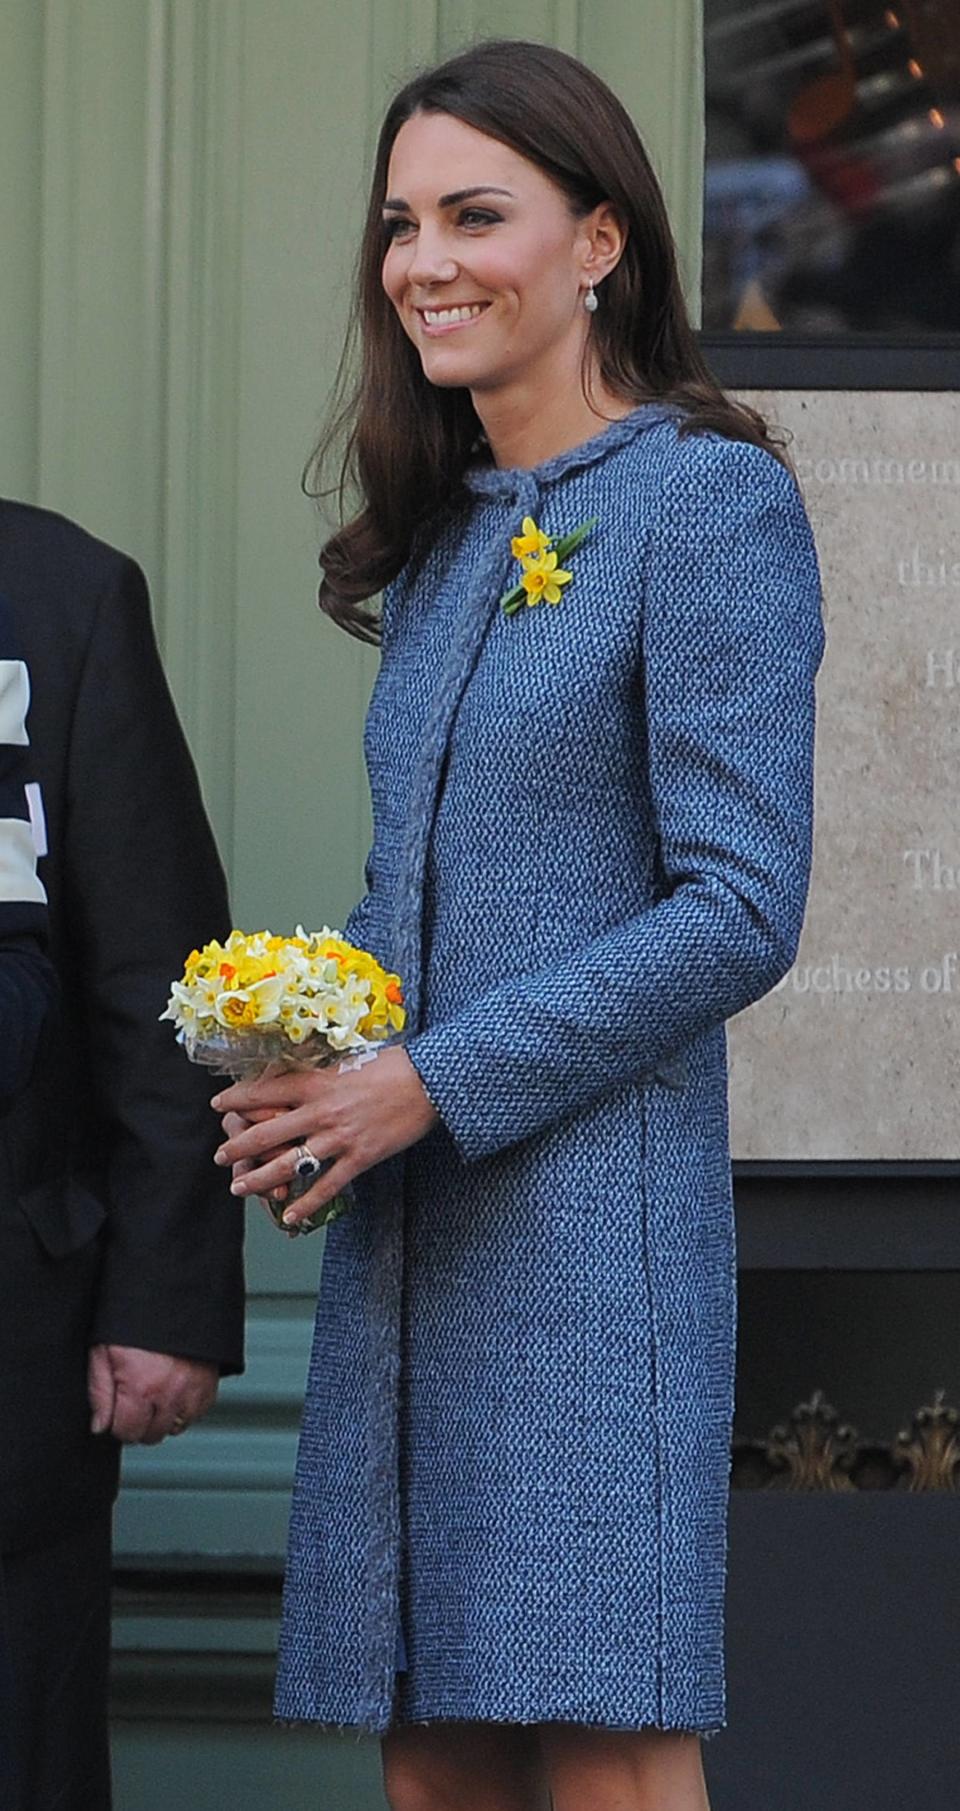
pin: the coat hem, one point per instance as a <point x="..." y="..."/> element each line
<point x="357" y="1730"/>
<point x="705" y="1731"/>
<point x="682" y="1726"/>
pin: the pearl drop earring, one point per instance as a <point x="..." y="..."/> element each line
<point x="590" y="302"/>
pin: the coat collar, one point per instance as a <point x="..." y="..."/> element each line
<point x="506" y="482"/>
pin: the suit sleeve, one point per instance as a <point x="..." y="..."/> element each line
<point x="27" y="980"/>
<point x="732" y="639"/>
<point x="143" y="885"/>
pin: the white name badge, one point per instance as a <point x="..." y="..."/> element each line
<point x="38" y="821"/>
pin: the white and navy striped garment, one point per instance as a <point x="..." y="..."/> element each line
<point x="22" y="836"/>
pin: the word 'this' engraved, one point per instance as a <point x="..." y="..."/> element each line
<point x="939" y="574"/>
<point x="943" y="669"/>
<point x="929" y="872"/>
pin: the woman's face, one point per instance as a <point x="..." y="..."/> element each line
<point x="485" y="264"/>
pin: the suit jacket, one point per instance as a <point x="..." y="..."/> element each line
<point x="114" y="1224"/>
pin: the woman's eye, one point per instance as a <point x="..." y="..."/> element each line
<point x="396" y="227"/>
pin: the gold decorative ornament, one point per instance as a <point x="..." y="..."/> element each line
<point x="928" y="1451"/>
<point x="814" y="1450"/>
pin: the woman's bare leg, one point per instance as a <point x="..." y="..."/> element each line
<point x="621" y="1770"/>
<point x="463" y="1767"/>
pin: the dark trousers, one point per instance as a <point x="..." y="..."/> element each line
<point x="58" y="1633"/>
<point x="6" y="1704"/>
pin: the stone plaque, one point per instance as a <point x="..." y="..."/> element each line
<point x="855" y="1055"/>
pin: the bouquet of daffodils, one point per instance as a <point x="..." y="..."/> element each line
<point x="305" y="1001"/>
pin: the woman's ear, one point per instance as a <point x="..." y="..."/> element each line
<point x="604" y="238"/>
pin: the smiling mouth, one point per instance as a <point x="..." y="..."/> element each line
<point x="440" y="319"/>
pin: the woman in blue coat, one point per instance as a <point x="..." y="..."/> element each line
<point x="592" y="837"/>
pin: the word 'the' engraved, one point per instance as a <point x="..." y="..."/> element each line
<point x="930" y="873"/>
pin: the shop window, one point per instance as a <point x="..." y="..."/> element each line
<point x="832" y="201"/>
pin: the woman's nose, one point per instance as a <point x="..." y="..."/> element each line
<point x="431" y="261"/>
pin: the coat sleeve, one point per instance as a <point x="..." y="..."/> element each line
<point x="142" y="885"/>
<point x="732" y="639"/>
<point x="27" y="980"/>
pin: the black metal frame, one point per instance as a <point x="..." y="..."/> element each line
<point x="846" y="1166"/>
<point x="856" y="361"/>
<point x="832" y="1216"/>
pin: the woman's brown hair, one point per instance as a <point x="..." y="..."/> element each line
<point x="409" y="441"/>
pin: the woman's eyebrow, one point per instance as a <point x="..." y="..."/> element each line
<point x="393" y="205"/>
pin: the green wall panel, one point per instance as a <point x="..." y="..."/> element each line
<point x="21" y="74"/>
<point x="100" y="453"/>
<point x="191" y="1710"/>
<point x="300" y="685"/>
<point x="244" y="1765"/>
<point x="463" y="22"/>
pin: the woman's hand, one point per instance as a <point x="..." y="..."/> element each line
<point x="354" y="1120"/>
<point x="233" y="1123"/>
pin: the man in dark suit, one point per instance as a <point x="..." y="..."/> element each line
<point x="120" y="1248"/>
<point x="27" y="989"/>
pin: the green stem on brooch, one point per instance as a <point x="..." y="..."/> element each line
<point x="569" y="543"/>
<point x="514" y="599"/>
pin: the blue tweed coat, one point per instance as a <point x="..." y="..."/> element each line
<point x="592" y="839"/>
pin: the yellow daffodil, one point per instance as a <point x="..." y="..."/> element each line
<point x="313" y="989"/>
<point x="543" y="578"/>
<point x="531" y="543"/>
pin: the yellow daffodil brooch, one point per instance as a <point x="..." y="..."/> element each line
<point x="543" y="575"/>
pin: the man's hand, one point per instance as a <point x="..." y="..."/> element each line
<point x="144" y="1396"/>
